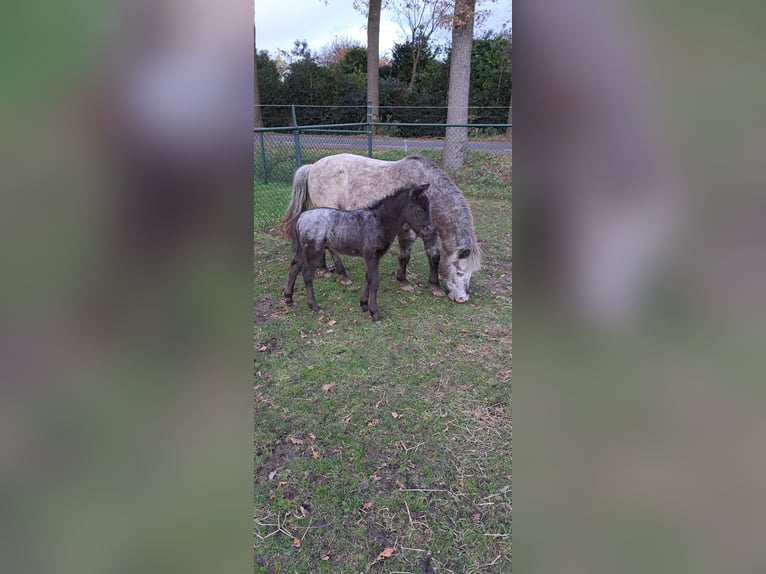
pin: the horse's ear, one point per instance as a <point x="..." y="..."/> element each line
<point x="418" y="191"/>
<point x="463" y="253"/>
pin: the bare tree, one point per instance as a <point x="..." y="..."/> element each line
<point x="257" y="118"/>
<point x="456" y="139"/>
<point x="419" y="20"/>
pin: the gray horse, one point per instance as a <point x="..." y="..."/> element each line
<point x="364" y="233"/>
<point x="347" y="181"/>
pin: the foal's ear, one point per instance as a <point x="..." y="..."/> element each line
<point x="463" y="253"/>
<point x="416" y="192"/>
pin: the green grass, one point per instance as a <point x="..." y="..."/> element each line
<point x="410" y="419"/>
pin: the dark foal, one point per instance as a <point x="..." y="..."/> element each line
<point x="364" y="233"/>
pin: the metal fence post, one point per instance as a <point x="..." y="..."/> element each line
<point x="369" y="129"/>
<point x="263" y="158"/>
<point x="297" y="138"/>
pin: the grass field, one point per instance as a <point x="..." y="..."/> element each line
<point x="384" y="448"/>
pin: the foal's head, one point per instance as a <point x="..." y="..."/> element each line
<point x="418" y="210"/>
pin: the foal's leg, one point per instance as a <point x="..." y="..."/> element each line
<point x="406" y="239"/>
<point x="292" y="274"/>
<point x="364" y="297"/>
<point x="431" y="244"/>
<point x="308" y="267"/>
<point x="339" y="268"/>
<point x="373" y="280"/>
<point x="322" y="270"/>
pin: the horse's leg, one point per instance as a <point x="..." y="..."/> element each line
<point x="322" y="269"/>
<point x="373" y="281"/>
<point x="292" y="274"/>
<point x="339" y="268"/>
<point x="406" y="239"/>
<point x="431" y="243"/>
<point x="364" y="297"/>
<point x="308" y="267"/>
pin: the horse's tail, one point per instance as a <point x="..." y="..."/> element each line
<point x="299" y="200"/>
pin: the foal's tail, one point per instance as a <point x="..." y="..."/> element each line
<point x="299" y="200"/>
<point x="295" y="241"/>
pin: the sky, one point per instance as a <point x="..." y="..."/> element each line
<point x="280" y="22"/>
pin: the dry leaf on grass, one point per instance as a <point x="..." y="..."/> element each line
<point x="367" y="506"/>
<point x="314" y="453"/>
<point x="297" y="542"/>
<point x="396" y="415"/>
<point x="296" y="441"/>
<point x="387" y="552"/>
<point x="328" y="387"/>
<point x="331" y="323"/>
<point x="325" y="556"/>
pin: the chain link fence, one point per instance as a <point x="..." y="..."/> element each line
<point x="279" y="150"/>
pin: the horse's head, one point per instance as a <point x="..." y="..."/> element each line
<point x="418" y="215"/>
<point x="456" y="269"/>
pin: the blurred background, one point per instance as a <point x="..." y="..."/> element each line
<point x="126" y="314"/>
<point x="639" y="399"/>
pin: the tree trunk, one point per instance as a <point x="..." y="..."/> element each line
<point x="257" y="118"/>
<point x="373" y="57"/>
<point x="456" y="139"/>
<point x="509" y="130"/>
<point x="415" y="61"/>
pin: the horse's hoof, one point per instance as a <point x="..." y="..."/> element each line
<point x="365" y="308"/>
<point x="437" y="292"/>
<point x="316" y="308"/>
<point x="288" y="300"/>
<point x="406" y="287"/>
<point x="345" y="281"/>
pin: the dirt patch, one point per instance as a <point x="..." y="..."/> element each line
<point x="500" y="284"/>
<point x="281" y="453"/>
<point x="264" y="310"/>
<point x="267" y="346"/>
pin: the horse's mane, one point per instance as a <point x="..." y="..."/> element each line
<point x="445" y="188"/>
